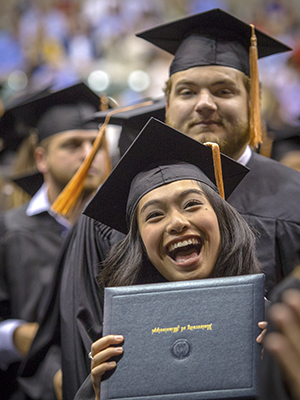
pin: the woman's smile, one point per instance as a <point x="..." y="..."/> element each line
<point x="185" y="250"/>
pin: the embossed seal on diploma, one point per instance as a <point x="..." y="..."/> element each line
<point x="181" y="349"/>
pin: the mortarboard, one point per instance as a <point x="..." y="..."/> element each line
<point x="55" y="112"/>
<point x="13" y="129"/>
<point x="214" y="37"/>
<point x="285" y="140"/>
<point x="161" y="155"/>
<point x="132" y="121"/>
<point x="59" y="111"/>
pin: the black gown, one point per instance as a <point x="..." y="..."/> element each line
<point x="268" y="198"/>
<point x="73" y="319"/>
<point x="28" y="250"/>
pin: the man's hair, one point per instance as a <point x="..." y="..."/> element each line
<point x="128" y="264"/>
<point x="168" y="85"/>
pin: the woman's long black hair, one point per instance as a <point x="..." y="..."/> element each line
<point x="128" y="264"/>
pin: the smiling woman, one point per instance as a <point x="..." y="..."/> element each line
<point x="178" y="226"/>
<point x="182" y="230"/>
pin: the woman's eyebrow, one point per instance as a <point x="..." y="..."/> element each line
<point x="191" y="191"/>
<point x="149" y="203"/>
<point x="157" y="202"/>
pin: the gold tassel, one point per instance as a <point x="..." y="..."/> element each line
<point x="255" y="121"/>
<point x="66" y="201"/>
<point x="217" y="167"/>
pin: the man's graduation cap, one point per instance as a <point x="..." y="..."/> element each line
<point x="13" y="129"/>
<point x="159" y="155"/>
<point x="216" y="37"/>
<point x="59" y="111"/>
<point x="285" y="140"/>
<point x="55" y="112"/>
<point x="132" y="121"/>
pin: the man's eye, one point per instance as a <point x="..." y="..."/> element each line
<point x="224" y="92"/>
<point x="71" y="145"/>
<point x="185" y="92"/>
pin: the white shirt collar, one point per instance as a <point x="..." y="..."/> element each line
<point x="245" y="157"/>
<point x="40" y="203"/>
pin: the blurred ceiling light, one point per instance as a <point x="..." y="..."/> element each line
<point x="17" y="81"/>
<point x="139" y="81"/>
<point x="98" y="81"/>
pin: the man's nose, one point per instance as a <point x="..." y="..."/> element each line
<point x="205" y="103"/>
<point x="86" y="148"/>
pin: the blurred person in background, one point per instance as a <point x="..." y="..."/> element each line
<point x="31" y="236"/>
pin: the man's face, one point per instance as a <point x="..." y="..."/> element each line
<point x="210" y="104"/>
<point x="66" y="152"/>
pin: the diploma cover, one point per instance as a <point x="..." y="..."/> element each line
<point x="186" y="340"/>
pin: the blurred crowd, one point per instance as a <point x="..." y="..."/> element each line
<point x="60" y="42"/>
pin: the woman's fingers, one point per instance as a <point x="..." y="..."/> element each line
<point x="262" y="325"/>
<point x="105" y="355"/>
<point x="101" y="352"/>
<point x="104" y="342"/>
<point x="104" y="349"/>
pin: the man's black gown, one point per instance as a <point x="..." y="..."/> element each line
<point x="29" y="247"/>
<point x="268" y="199"/>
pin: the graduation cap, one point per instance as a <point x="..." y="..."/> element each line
<point x="159" y="155"/>
<point x="60" y="111"/>
<point x="132" y="121"/>
<point x="13" y="130"/>
<point x="55" y="112"/>
<point x="216" y="37"/>
<point x="285" y="140"/>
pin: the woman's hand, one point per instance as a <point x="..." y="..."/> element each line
<point x="263" y="326"/>
<point x="101" y="351"/>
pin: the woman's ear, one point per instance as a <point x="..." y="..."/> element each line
<point x="40" y="155"/>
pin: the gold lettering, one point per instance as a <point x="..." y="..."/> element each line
<point x="176" y="329"/>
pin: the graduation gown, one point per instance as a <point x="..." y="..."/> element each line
<point x="28" y="250"/>
<point x="73" y="318"/>
<point x="268" y="198"/>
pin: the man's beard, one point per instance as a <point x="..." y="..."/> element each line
<point x="239" y="135"/>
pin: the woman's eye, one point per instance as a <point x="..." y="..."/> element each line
<point x="192" y="203"/>
<point x="153" y="215"/>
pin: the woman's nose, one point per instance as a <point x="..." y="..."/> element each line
<point x="177" y="222"/>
